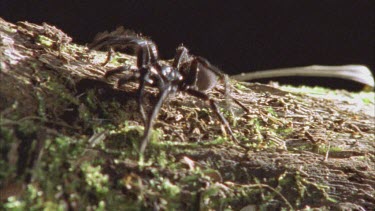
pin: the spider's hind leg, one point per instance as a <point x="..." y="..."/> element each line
<point x="214" y="107"/>
<point x="207" y="76"/>
<point x="116" y="70"/>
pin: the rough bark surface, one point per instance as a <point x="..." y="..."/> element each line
<point x="69" y="139"/>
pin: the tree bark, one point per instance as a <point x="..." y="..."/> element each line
<point x="305" y="151"/>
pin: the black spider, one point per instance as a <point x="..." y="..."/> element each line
<point x="188" y="73"/>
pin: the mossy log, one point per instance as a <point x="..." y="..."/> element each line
<point x="69" y="139"/>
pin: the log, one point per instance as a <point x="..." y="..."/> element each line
<point x="69" y="138"/>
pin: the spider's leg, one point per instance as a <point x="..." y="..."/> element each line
<point x="145" y="49"/>
<point x="235" y="100"/>
<point x="140" y="92"/>
<point x="150" y="122"/>
<point x="115" y="71"/>
<point x="182" y="56"/>
<point x="205" y="97"/>
<point x="191" y="76"/>
<point x="125" y="79"/>
<point x="109" y="56"/>
<point x="147" y="55"/>
<point x="152" y="52"/>
<point x="214" y="107"/>
<point x="205" y="75"/>
<point x="206" y="64"/>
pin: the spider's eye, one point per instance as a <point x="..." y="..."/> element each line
<point x="170" y="73"/>
<point x="166" y="70"/>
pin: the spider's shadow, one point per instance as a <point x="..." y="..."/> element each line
<point x="92" y="95"/>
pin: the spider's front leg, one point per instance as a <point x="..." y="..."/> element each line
<point x="163" y="94"/>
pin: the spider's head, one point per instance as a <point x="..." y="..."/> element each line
<point x="171" y="74"/>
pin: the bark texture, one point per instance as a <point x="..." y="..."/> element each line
<point x="72" y="137"/>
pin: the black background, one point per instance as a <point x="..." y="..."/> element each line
<point x="239" y="36"/>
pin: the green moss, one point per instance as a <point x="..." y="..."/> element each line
<point x="170" y="189"/>
<point x="43" y="40"/>
<point x="41" y="105"/>
<point x="15" y="204"/>
<point x="240" y="86"/>
<point x="95" y="180"/>
<point x="33" y="199"/>
<point x="57" y="173"/>
<point x="364" y="96"/>
<point x="62" y="94"/>
<point x="27" y="130"/>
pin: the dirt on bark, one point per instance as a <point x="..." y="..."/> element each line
<point x="70" y="138"/>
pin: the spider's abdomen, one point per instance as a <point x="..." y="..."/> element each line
<point x="206" y="79"/>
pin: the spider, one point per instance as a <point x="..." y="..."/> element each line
<point x="190" y="74"/>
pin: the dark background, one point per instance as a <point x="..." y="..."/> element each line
<point x="236" y="36"/>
